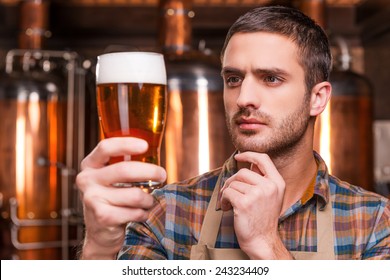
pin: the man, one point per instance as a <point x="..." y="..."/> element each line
<point x="273" y="199"/>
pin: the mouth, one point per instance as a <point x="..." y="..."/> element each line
<point x="249" y="123"/>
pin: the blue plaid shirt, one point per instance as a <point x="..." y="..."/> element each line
<point x="361" y="219"/>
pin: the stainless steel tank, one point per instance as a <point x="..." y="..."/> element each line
<point x="196" y="138"/>
<point x="39" y="153"/>
<point x="33" y="110"/>
<point x="351" y="123"/>
<point x="40" y="144"/>
<point x="343" y="132"/>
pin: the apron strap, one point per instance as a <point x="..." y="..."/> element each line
<point x="212" y="219"/>
<point x="325" y="231"/>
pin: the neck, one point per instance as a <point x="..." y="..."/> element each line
<point x="298" y="172"/>
<point x="298" y="169"/>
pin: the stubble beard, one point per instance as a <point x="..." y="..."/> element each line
<point x="286" y="137"/>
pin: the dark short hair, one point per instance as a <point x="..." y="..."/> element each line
<point x="314" y="53"/>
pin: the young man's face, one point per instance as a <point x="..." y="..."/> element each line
<point x="267" y="108"/>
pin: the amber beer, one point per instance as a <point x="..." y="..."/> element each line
<point x="131" y="100"/>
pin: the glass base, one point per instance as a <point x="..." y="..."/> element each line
<point x="147" y="187"/>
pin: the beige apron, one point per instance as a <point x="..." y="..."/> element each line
<point x="205" y="250"/>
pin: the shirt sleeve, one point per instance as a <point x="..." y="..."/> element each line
<point x="379" y="244"/>
<point x="141" y="244"/>
<point x="143" y="240"/>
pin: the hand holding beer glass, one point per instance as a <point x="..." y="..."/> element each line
<point x="132" y="102"/>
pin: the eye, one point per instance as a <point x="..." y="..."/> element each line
<point x="233" y="81"/>
<point x="272" y="80"/>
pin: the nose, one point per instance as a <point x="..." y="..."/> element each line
<point x="248" y="96"/>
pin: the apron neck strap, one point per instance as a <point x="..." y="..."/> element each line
<point x="212" y="219"/>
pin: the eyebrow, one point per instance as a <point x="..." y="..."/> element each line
<point x="272" y="71"/>
<point x="267" y="71"/>
<point x="229" y="70"/>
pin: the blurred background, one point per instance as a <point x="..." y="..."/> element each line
<point x="48" y="118"/>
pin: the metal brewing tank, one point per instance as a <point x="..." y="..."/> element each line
<point x="196" y="138"/>
<point x="343" y="132"/>
<point x="351" y="123"/>
<point x="40" y="143"/>
<point x="33" y="113"/>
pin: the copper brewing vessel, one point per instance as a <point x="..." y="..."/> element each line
<point x="196" y="138"/>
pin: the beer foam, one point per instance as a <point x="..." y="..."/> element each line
<point x="131" y="67"/>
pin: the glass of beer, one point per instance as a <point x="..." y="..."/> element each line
<point x="132" y="102"/>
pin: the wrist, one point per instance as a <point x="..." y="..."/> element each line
<point x="94" y="251"/>
<point x="268" y="249"/>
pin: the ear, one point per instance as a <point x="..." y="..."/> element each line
<point x="320" y="95"/>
